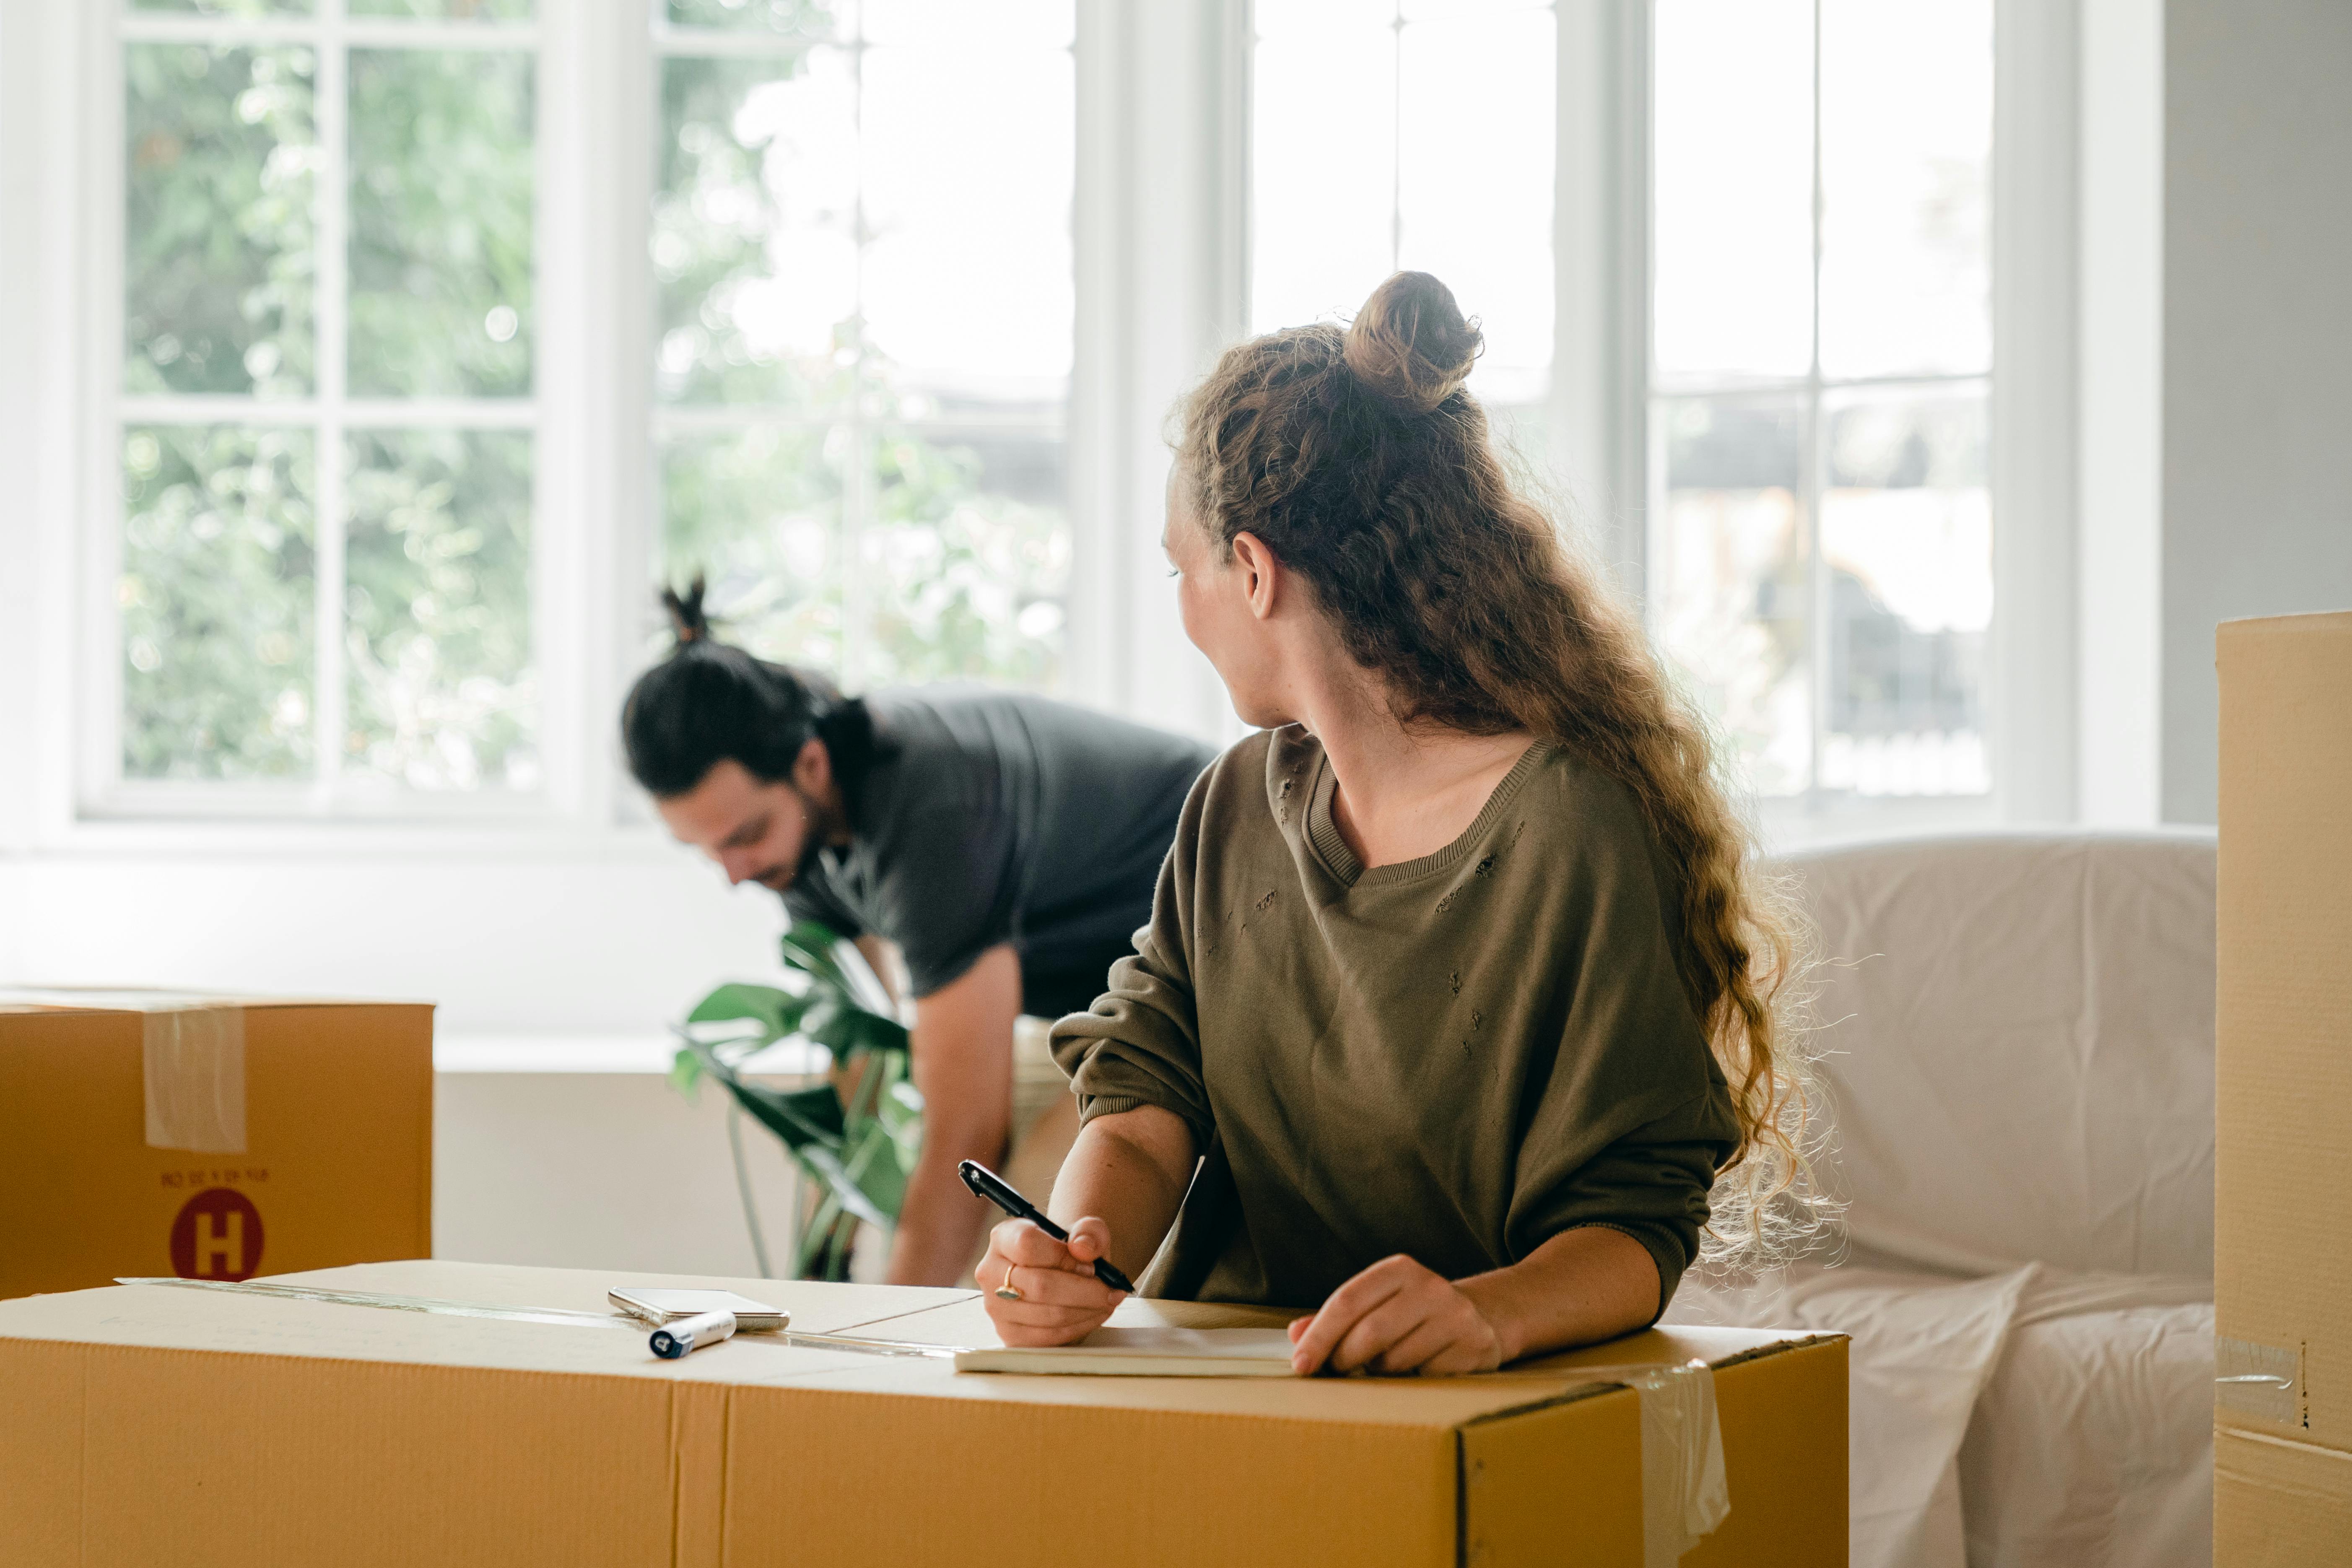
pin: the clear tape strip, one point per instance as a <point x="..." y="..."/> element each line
<point x="193" y="1065"/>
<point x="2257" y="1380"/>
<point x="438" y="1308"/>
<point x="1684" y="1492"/>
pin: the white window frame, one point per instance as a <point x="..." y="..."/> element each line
<point x="328" y="414"/>
<point x="1161" y="250"/>
<point x="2030" y="668"/>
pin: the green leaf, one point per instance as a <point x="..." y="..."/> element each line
<point x="686" y="1072"/>
<point x="846" y="1029"/>
<point x="776" y="1012"/>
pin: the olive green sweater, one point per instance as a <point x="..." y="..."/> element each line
<point x="1458" y="1058"/>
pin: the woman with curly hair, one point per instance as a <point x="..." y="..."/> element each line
<point x="1459" y="989"/>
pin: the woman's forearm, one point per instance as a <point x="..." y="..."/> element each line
<point x="1581" y="1287"/>
<point x="1129" y="1169"/>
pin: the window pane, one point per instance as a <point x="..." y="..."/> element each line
<point x="218" y="232"/>
<point x="1022" y="23"/>
<point x="1323" y="165"/>
<point x="442" y="693"/>
<point x="965" y="569"/>
<point x="791" y="18"/>
<point x="216" y="595"/>
<point x="1730" y="583"/>
<point x="1732" y="151"/>
<point x="968" y="157"/>
<point x="440" y="223"/>
<point x="1906" y="166"/>
<point x="225" y="7"/>
<point x="754" y="236"/>
<point x="445" y="10"/>
<point x="759" y="512"/>
<point x="1906" y="531"/>
<point x="1475" y="135"/>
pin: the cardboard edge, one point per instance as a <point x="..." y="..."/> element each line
<point x="1607" y="1384"/>
<point x="2316" y="622"/>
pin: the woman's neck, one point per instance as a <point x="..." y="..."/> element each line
<point x="1401" y="792"/>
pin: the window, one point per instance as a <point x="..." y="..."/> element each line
<point x="1417" y="134"/>
<point x="1815" y="493"/>
<point x="401" y="427"/>
<point x="1820" y="545"/>
<point x="862" y="248"/>
<point x="325" y="419"/>
<point x="325" y="550"/>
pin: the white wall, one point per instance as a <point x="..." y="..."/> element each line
<point x="2257" y="373"/>
<point x="616" y="945"/>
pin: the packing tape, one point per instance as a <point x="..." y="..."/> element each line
<point x="192" y="1060"/>
<point x="1685" y="1494"/>
<point x="2258" y="1380"/>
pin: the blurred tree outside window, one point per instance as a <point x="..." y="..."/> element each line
<point x="324" y="561"/>
<point x="862" y="252"/>
<point x="329" y="416"/>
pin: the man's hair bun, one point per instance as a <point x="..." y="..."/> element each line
<point x="1410" y="343"/>
<point x="688" y="622"/>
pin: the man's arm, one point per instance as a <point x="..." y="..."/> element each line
<point x="963" y="1068"/>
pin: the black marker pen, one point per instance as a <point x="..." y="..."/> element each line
<point x="996" y="1190"/>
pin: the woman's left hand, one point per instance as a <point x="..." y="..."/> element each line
<point x="1396" y="1317"/>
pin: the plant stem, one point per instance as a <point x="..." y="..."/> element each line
<point x="743" y="1187"/>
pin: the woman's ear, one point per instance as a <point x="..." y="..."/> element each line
<point x="1261" y="575"/>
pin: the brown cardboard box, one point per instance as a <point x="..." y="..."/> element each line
<point x="156" y="1423"/>
<point x="148" y="1134"/>
<point x="2283" y="1277"/>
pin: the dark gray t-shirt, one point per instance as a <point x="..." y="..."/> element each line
<point x="990" y="816"/>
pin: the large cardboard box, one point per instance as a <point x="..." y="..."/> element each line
<point x="207" y="1426"/>
<point x="2283" y="1276"/>
<point x="154" y="1133"/>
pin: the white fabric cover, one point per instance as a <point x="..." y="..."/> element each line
<point x="2023" y="1098"/>
<point x="2093" y="1443"/>
<point x="2022" y="1030"/>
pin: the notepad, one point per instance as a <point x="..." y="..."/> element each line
<point x="1154" y="1352"/>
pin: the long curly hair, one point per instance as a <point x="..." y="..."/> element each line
<point x="1357" y="457"/>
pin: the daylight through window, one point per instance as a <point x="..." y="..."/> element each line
<point x="1820" y="542"/>
<point x="862" y="246"/>
<point x="322" y="573"/>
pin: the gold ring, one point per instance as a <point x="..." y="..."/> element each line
<point x="1004" y="1290"/>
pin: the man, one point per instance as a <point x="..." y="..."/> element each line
<point x="1006" y="846"/>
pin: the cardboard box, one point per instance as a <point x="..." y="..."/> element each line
<point x="152" y="1133"/>
<point x="2283" y="1282"/>
<point x="208" y="1426"/>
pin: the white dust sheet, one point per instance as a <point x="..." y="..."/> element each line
<point x="2021" y="1418"/>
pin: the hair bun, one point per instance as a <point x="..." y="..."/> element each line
<point x="1410" y="343"/>
<point x="686" y="617"/>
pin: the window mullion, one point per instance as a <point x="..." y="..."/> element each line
<point x="1809" y="475"/>
<point x="857" y="482"/>
<point x="333" y="203"/>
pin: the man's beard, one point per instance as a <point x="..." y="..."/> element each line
<point x="819" y="830"/>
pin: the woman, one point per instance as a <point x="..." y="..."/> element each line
<point x="1455" y="973"/>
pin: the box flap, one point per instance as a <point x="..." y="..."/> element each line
<point x="176" y="1318"/>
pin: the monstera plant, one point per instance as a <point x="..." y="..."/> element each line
<point x="856" y="1134"/>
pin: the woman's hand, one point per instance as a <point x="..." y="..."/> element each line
<point x="1396" y="1317"/>
<point x="1057" y="1300"/>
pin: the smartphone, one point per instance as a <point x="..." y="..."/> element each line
<point x="658" y="1306"/>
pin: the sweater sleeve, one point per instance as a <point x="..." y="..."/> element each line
<point x="1140" y="1042"/>
<point x="1629" y="1126"/>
